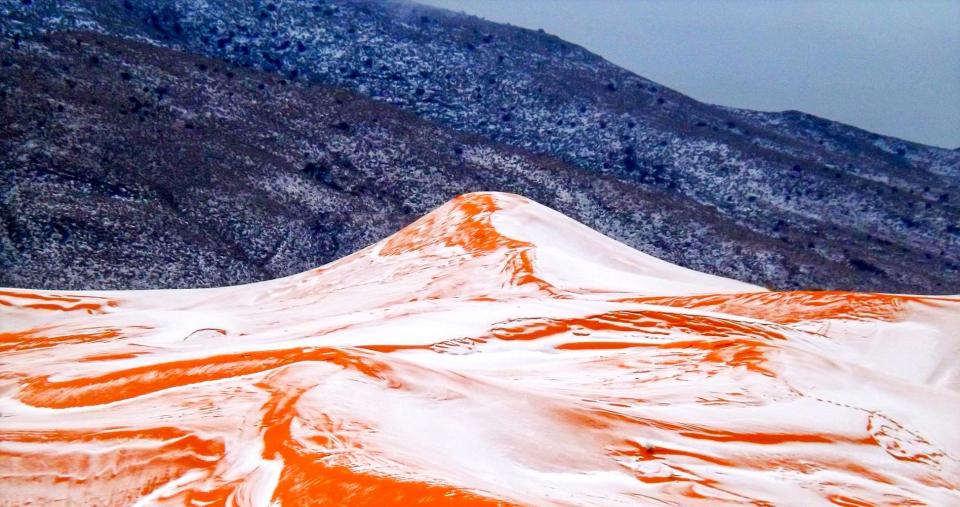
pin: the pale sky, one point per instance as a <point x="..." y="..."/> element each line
<point x="888" y="66"/>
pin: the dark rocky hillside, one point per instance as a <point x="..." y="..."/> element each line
<point x="126" y="164"/>
<point x="139" y="166"/>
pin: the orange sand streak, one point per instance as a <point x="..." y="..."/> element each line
<point x="125" y="384"/>
<point x="799" y="306"/>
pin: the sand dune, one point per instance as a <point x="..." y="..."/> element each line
<point x="494" y="352"/>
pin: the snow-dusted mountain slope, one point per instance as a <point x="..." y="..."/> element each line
<point x="105" y="102"/>
<point x="494" y="352"/>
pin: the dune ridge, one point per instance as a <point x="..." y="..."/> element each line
<point x="494" y="352"/>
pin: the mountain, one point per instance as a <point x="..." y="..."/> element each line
<point x="493" y="352"/>
<point x="126" y="165"/>
<point x="785" y="200"/>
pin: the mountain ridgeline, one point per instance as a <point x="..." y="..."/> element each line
<point x="186" y="143"/>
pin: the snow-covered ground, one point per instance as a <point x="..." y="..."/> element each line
<point x="493" y="352"/>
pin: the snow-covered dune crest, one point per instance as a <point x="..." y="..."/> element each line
<point x="493" y="352"/>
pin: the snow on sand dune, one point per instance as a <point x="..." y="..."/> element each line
<point x="493" y="352"/>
